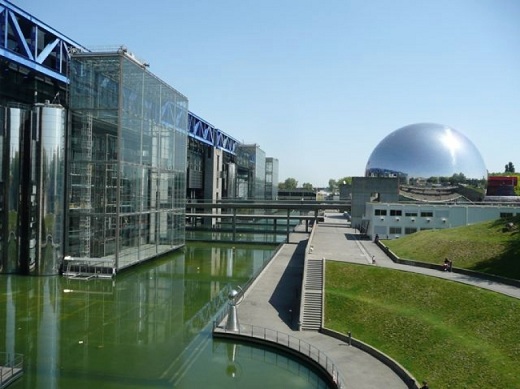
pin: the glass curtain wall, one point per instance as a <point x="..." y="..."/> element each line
<point x="259" y="189"/>
<point x="271" y="178"/>
<point x="128" y="161"/>
<point x="256" y="173"/>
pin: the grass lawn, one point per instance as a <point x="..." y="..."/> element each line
<point x="453" y="335"/>
<point x="486" y="247"/>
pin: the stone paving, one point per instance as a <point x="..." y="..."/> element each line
<point x="273" y="300"/>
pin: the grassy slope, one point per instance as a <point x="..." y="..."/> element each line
<point x="451" y="334"/>
<point x="485" y="247"/>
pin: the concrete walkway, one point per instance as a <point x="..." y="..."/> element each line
<point x="273" y="300"/>
<point x="335" y="240"/>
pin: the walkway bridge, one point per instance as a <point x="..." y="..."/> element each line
<point x="232" y="216"/>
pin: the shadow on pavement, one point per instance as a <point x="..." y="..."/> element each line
<point x="286" y="296"/>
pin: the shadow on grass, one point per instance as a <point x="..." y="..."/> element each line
<point x="507" y="263"/>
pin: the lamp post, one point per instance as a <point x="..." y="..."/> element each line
<point x="232" y="319"/>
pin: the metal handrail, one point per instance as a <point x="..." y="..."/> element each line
<point x="12" y="366"/>
<point x="293" y="343"/>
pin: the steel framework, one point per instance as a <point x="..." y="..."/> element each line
<point x="27" y="41"/>
<point x="200" y="129"/>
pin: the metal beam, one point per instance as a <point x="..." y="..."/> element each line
<point x="21" y="41"/>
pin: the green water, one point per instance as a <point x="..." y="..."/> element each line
<point x="150" y="327"/>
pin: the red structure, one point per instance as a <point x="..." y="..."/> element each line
<point x="501" y="185"/>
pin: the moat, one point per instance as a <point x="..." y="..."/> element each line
<point x="149" y="327"/>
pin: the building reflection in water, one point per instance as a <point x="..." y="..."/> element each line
<point x="137" y="329"/>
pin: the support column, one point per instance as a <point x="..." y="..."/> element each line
<point x="287" y="225"/>
<point x="234" y="224"/>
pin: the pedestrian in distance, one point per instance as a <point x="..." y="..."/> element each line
<point x="446" y="264"/>
<point x="450" y="265"/>
<point x="425" y="385"/>
<point x="373" y="259"/>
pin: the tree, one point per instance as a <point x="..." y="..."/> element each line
<point x="307" y="186"/>
<point x="433" y="180"/>
<point x="289" y="183"/>
<point x="458" y="179"/>
<point x="510" y="168"/>
<point x="345" y="180"/>
<point x="333" y="185"/>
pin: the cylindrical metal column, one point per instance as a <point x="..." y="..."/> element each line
<point x="12" y="123"/>
<point x="45" y="183"/>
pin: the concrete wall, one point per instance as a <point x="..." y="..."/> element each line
<point x="213" y="166"/>
<point x="385" y="219"/>
<point x="367" y="189"/>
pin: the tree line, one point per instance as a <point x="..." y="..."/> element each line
<point x="456" y="179"/>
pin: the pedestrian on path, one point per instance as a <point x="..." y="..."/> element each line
<point x="373" y="259"/>
<point x="425" y="385"/>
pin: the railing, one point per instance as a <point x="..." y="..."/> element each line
<point x="11" y="367"/>
<point x="309" y="248"/>
<point x="290" y="342"/>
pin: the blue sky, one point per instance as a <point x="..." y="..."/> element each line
<point x="318" y="84"/>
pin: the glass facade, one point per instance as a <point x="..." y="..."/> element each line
<point x="128" y="149"/>
<point x="254" y="176"/>
<point x="271" y="178"/>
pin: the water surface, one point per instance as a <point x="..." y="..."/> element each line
<point x="149" y="327"/>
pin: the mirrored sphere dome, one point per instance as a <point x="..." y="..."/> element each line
<point x="425" y="150"/>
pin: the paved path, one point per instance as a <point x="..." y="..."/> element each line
<point x="274" y="298"/>
<point x="335" y="240"/>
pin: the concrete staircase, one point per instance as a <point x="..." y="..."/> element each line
<point x="312" y="295"/>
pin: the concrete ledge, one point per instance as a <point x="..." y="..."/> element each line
<point x="407" y="378"/>
<point x="484" y="276"/>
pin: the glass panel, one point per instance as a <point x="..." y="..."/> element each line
<point x="139" y="140"/>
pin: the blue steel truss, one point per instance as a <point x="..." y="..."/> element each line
<point x="29" y="42"/>
<point x="199" y="129"/>
<point x="225" y="142"/>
